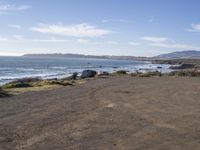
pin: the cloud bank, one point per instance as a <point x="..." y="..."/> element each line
<point x="9" y="7"/>
<point x="194" y="28"/>
<point x="79" y="30"/>
<point x="165" y="42"/>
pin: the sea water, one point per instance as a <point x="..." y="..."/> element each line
<point x="12" y="68"/>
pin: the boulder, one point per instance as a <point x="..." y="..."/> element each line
<point x="88" y="74"/>
<point x="183" y="66"/>
<point x="72" y="77"/>
<point x="120" y="72"/>
<point x="102" y="73"/>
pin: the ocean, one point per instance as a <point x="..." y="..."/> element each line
<point x="12" y="68"/>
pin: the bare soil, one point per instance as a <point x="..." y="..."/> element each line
<point x="116" y="113"/>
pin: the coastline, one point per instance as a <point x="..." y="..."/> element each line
<point x="37" y="84"/>
<point x="177" y="67"/>
<point x="14" y="68"/>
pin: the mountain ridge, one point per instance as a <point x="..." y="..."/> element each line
<point x="70" y="55"/>
<point x="180" y="54"/>
<point x="174" y="55"/>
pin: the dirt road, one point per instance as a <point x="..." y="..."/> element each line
<point x="117" y="113"/>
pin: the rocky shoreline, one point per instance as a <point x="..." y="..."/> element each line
<point x="28" y="83"/>
<point x="179" y="63"/>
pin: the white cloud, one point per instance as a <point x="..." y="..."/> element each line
<point x="86" y="41"/>
<point x="16" y="26"/>
<point x="116" y="20"/>
<point x="21" y="39"/>
<point x="167" y="43"/>
<point x="2" y="39"/>
<point x="113" y="42"/>
<point x="134" y="43"/>
<point x="9" y="7"/>
<point x="194" y="28"/>
<point x="83" y="41"/>
<point x="154" y="39"/>
<point x="48" y="40"/>
<point x="18" y="37"/>
<point x="79" y="30"/>
<point x="11" y="54"/>
<point x="172" y="45"/>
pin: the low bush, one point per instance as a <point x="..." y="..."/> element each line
<point x="147" y="74"/>
<point x="52" y="82"/>
<point x="16" y="85"/>
<point x="185" y="73"/>
<point x="120" y="72"/>
<point x="3" y="93"/>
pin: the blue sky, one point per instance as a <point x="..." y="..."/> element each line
<point x="99" y="27"/>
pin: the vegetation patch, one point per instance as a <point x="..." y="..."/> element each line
<point x="185" y="73"/>
<point x="3" y="93"/>
<point x="35" y="82"/>
<point x="16" y="85"/>
<point x="52" y="82"/>
<point x="21" y="83"/>
<point x="147" y="74"/>
<point x="120" y="72"/>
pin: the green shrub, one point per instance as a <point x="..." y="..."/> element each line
<point x="185" y="73"/>
<point x="52" y="82"/>
<point x="3" y="93"/>
<point x="16" y="85"/>
<point x="120" y="72"/>
<point x="147" y="74"/>
<point x="144" y="75"/>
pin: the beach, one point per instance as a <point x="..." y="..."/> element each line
<point x="114" y="112"/>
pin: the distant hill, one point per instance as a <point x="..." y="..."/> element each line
<point x="174" y="55"/>
<point x="85" y="56"/>
<point x="181" y="54"/>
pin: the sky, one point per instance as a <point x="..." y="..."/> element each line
<point x="99" y="27"/>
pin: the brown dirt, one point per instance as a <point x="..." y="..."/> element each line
<point x="119" y="113"/>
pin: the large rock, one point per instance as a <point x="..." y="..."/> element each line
<point x="88" y="74"/>
<point x="120" y="72"/>
<point x="72" y="77"/>
<point x="102" y="73"/>
<point x="183" y="66"/>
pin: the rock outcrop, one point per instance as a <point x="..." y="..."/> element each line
<point x="183" y="66"/>
<point x="88" y="74"/>
<point x="102" y="73"/>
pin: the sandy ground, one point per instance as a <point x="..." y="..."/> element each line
<point x="117" y="113"/>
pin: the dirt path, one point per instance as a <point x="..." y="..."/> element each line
<point x="119" y="113"/>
